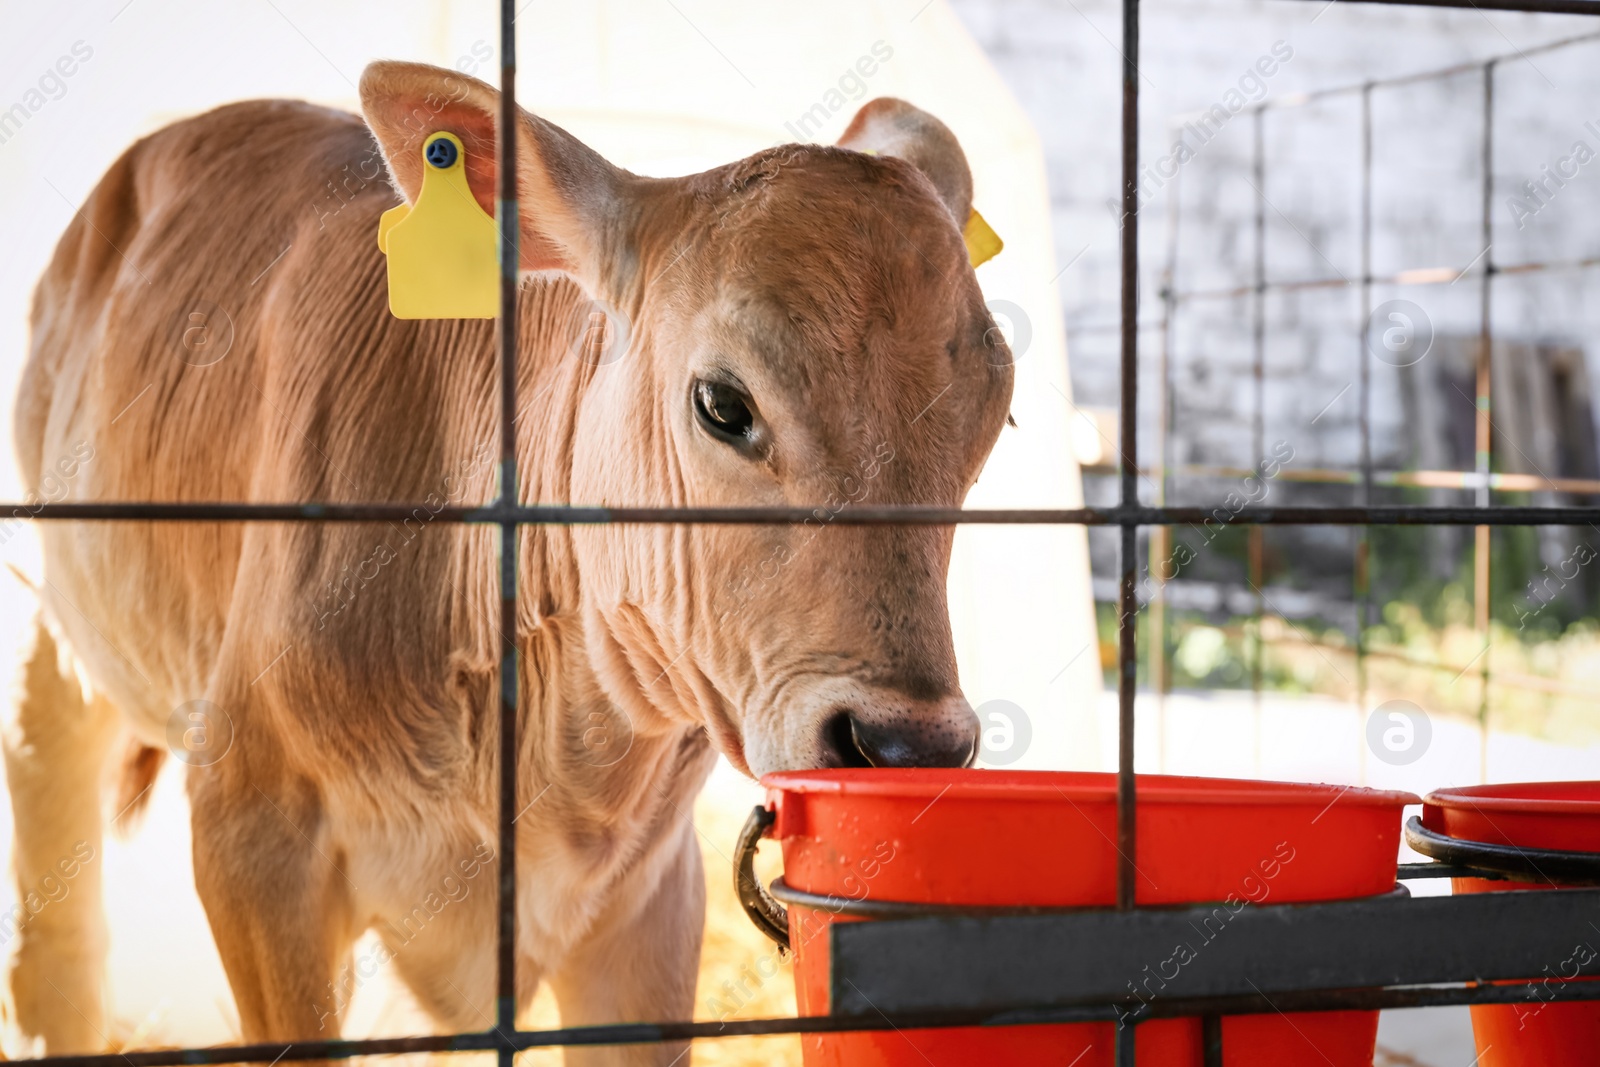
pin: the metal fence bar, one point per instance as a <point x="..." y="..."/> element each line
<point x="1127" y="635"/>
<point x="1362" y="564"/>
<point x="888" y="515"/>
<point x="1416" y="276"/>
<point x="1483" y="428"/>
<point x="1548" y="7"/>
<point x="1419" y="479"/>
<point x="509" y="216"/>
<point x="681" y="1030"/>
<point x="1079" y="956"/>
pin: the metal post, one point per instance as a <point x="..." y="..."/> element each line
<point x="1484" y="425"/>
<point x="1258" y="341"/>
<point x="1363" y="560"/>
<point x="1211" y="1040"/>
<point x="507" y="214"/>
<point x="1128" y="604"/>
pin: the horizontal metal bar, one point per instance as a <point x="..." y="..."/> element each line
<point x="1154" y="954"/>
<point x="885" y="515"/>
<point x="1434" y="869"/>
<point x="1416" y="479"/>
<point x="1548" y="7"/>
<point x="1417" y="276"/>
<point x="1378" y="999"/>
<point x="657" y="1033"/>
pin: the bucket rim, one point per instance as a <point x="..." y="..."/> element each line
<point x="1504" y="797"/>
<point x="1074" y="786"/>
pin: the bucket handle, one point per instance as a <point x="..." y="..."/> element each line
<point x="1538" y="865"/>
<point x="770" y="917"/>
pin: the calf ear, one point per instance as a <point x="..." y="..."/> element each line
<point x="564" y="188"/>
<point x="890" y="127"/>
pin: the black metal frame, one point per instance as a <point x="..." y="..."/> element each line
<point x="905" y="938"/>
<point x="1079" y="958"/>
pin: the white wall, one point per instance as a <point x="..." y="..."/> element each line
<point x="1063" y="64"/>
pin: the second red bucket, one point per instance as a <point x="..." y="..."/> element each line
<point x="1047" y="839"/>
<point x="1554" y="817"/>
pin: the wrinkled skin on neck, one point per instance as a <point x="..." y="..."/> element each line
<point x="832" y="289"/>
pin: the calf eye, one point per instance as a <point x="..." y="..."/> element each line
<point x="724" y="411"/>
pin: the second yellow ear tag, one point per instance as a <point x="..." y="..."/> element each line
<point x="442" y="249"/>
<point x="983" y="244"/>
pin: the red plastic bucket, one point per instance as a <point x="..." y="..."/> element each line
<point x="1563" y="816"/>
<point x="1047" y="839"/>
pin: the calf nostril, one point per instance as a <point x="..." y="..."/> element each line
<point x="846" y="741"/>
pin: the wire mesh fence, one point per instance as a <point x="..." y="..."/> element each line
<point x="507" y="514"/>
<point x="1482" y="480"/>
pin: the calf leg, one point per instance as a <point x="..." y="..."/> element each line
<point x="639" y="964"/>
<point x="275" y="892"/>
<point x="449" y="965"/>
<point x="55" y="758"/>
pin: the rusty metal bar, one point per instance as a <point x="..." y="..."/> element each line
<point x="1484" y="427"/>
<point x="1414" y="276"/>
<point x="1424" y="479"/>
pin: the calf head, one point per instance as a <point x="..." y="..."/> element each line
<point x="802" y="328"/>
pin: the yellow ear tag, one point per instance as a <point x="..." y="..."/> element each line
<point x="442" y="254"/>
<point x="983" y="244"/>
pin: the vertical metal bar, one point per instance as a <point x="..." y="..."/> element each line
<point x="1484" y="425"/>
<point x="1363" y="560"/>
<point x="1125" y="1052"/>
<point x="508" y="216"/>
<point x="1211" y="1040"/>
<point x="1258" y="414"/>
<point x="1258" y="321"/>
<point x="1366" y="294"/>
<point x="1128" y="603"/>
